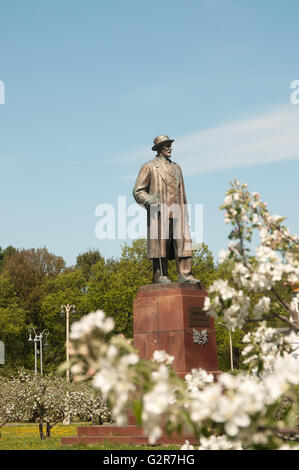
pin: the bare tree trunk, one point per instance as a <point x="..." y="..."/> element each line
<point x="49" y="426"/>
<point x="41" y="430"/>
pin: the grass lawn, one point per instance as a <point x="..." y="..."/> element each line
<point x="26" y="437"/>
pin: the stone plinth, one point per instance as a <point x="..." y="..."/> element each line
<point x="165" y="317"/>
<point x="130" y="434"/>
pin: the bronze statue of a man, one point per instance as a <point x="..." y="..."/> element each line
<point x="160" y="189"/>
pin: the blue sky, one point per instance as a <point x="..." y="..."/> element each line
<point x="89" y="84"/>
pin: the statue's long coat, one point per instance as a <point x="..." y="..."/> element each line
<point x="150" y="188"/>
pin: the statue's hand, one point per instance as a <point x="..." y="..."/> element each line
<point x="153" y="201"/>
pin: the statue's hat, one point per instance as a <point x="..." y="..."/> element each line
<point x="161" y="139"/>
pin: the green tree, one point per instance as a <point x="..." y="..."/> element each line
<point x="4" y="254"/>
<point x="7" y="292"/>
<point x="12" y="323"/>
<point x="86" y="260"/>
<point x="13" y="333"/>
<point x="114" y="284"/>
<point x="66" y="288"/>
<point x="203" y="265"/>
<point x="27" y="269"/>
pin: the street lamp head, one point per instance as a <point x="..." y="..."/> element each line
<point x="222" y="324"/>
<point x="46" y="334"/>
<point x="74" y="310"/>
<point x="31" y="330"/>
<point x="62" y="312"/>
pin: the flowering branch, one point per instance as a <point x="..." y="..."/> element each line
<point x="276" y="259"/>
<point x="236" y="411"/>
<point x="232" y="406"/>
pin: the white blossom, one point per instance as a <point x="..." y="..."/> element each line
<point x="162" y="356"/>
<point x="223" y="254"/>
<point x="187" y="446"/>
<point x="91" y="321"/>
<point x="263" y="306"/>
<point x="228" y="200"/>
<point x="197" y="379"/>
<point x="218" y="443"/>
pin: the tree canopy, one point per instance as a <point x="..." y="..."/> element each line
<point x="35" y="283"/>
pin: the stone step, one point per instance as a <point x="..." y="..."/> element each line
<point x="109" y="430"/>
<point x="134" y="440"/>
<point x="69" y="441"/>
<point x="129" y="434"/>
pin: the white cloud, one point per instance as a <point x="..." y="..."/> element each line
<point x="262" y="139"/>
<point x="266" y="138"/>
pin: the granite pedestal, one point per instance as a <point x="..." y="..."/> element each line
<point x="170" y="317"/>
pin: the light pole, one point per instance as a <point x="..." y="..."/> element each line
<point x="230" y="345"/>
<point x="38" y="338"/>
<point x="42" y="334"/>
<point x="32" y="330"/>
<point x="66" y="310"/>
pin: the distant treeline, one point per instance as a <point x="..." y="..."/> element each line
<point x="35" y="283"/>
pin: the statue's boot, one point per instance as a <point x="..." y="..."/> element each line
<point x="158" y="277"/>
<point x="163" y="280"/>
<point x="191" y="279"/>
<point x="184" y="271"/>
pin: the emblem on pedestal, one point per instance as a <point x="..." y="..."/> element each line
<point x="200" y="337"/>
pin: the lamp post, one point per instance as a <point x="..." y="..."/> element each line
<point x="38" y="338"/>
<point x="66" y="310"/>
<point x="42" y="334"/>
<point x="230" y="345"/>
<point x="32" y="330"/>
